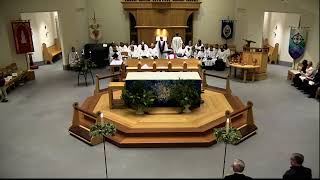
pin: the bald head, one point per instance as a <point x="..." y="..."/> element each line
<point x="238" y="165"/>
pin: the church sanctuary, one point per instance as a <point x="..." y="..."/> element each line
<point x="219" y="89"/>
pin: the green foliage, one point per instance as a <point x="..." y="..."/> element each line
<point x="138" y="97"/>
<point x="106" y="129"/>
<point x="184" y="93"/>
<point x="85" y="64"/>
<point x="230" y="138"/>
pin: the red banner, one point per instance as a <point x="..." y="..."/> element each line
<point x="22" y="36"/>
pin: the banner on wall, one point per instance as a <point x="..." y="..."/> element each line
<point x="227" y="29"/>
<point x="297" y="42"/>
<point x="22" y="36"/>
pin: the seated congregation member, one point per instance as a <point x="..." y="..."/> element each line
<point x="303" y="69"/>
<point x="133" y="53"/>
<point x="193" y="52"/>
<point x="183" y="52"/>
<point x="297" y="170"/>
<point x="311" y="86"/>
<point x="74" y="58"/>
<point x="3" y="92"/>
<point x="133" y="43"/>
<point x="144" y="52"/>
<point x="198" y="45"/>
<point x="153" y="52"/>
<point x="111" y="49"/>
<point x="201" y="54"/>
<point x="189" y="46"/>
<point x="142" y="44"/>
<point x="303" y="76"/>
<point x="237" y="167"/>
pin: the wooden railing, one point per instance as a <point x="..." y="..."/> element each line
<point x="98" y="78"/>
<point x="227" y="78"/>
<point x="247" y="109"/>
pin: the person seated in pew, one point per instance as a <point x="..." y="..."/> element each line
<point x="142" y="44"/>
<point x="206" y="48"/>
<point x="3" y="92"/>
<point x="133" y="43"/>
<point x="303" y="76"/>
<point x="310" y="86"/>
<point x="144" y="53"/>
<point x="153" y="52"/>
<point x="183" y="52"/>
<point x="133" y="53"/>
<point x="222" y="58"/>
<point x="303" y="69"/>
<point x="193" y="52"/>
<point x="201" y="54"/>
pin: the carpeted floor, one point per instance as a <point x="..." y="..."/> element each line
<point x="34" y="139"/>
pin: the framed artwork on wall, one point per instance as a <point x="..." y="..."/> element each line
<point x="22" y="36"/>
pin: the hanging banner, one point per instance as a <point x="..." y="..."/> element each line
<point x="227" y="29"/>
<point x="22" y="36"/>
<point x="297" y="42"/>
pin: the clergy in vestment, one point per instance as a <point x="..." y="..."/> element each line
<point x="162" y="47"/>
<point x="176" y="43"/>
<point x="183" y="52"/>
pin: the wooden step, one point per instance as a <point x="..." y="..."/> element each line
<point x="81" y="134"/>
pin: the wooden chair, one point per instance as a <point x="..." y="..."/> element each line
<point x="50" y="52"/>
<point x="273" y="54"/>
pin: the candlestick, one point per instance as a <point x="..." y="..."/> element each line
<point x="227" y="125"/>
<point x="101" y="118"/>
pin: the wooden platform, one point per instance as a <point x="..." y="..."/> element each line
<point x="165" y="127"/>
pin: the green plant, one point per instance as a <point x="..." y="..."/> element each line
<point x="138" y="98"/>
<point x="231" y="137"/>
<point x="85" y="64"/>
<point x="102" y="130"/>
<point x="184" y="94"/>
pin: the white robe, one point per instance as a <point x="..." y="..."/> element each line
<point x="118" y="58"/>
<point x="134" y="54"/>
<point x="153" y="53"/>
<point x="176" y="43"/>
<point x="224" y="56"/>
<point x="201" y="55"/>
<point x="123" y="49"/>
<point x="210" y="58"/>
<point x="144" y="53"/>
<point x="73" y="58"/>
<point x="184" y="52"/>
<point x="145" y="46"/>
<point x="198" y="47"/>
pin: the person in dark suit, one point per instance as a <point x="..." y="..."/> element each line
<point x="238" y="167"/>
<point x="297" y="170"/>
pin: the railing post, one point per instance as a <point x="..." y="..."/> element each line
<point x="97" y="89"/>
<point x="185" y="66"/>
<point x="97" y="139"/>
<point x="228" y="89"/>
<point x="75" y="120"/>
<point x="154" y="66"/>
<point x="250" y="114"/>
<point x="204" y="78"/>
<point x="123" y="71"/>
<point x="227" y="114"/>
<point x="139" y="66"/>
<point x="169" y="66"/>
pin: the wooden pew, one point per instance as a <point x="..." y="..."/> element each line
<point x="273" y="54"/>
<point x="50" y="52"/>
<point x="13" y="68"/>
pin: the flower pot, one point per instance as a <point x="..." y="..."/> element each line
<point x="186" y="109"/>
<point x="140" y="111"/>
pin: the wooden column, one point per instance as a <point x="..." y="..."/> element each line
<point x="250" y="113"/>
<point x="75" y="120"/>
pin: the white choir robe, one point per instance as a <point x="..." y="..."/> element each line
<point x="210" y="58"/>
<point x="118" y="58"/>
<point x="145" y="46"/>
<point x="123" y="49"/>
<point x="201" y="55"/>
<point x="134" y="54"/>
<point x="111" y="50"/>
<point x="134" y="46"/>
<point x="153" y="53"/>
<point x="162" y="55"/>
<point x="176" y="43"/>
<point x="144" y="53"/>
<point x="198" y="48"/>
<point x="73" y="58"/>
<point x="184" y="52"/>
<point x="224" y="56"/>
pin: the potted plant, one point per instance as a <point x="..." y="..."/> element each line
<point x="138" y="98"/>
<point x="228" y="136"/>
<point x="184" y="94"/>
<point x="103" y="129"/>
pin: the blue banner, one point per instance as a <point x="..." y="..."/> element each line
<point x="227" y="29"/>
<point x="297" y="42"/>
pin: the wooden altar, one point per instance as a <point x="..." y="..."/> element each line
<point x="160" y="17"/>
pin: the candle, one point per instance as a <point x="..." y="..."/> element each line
<point x="101" y="118"/>
<point x="227" y="125"/>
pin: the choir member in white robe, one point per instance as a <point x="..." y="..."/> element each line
<point x="115" y="54"/>
<point x="210" y="57"/>
<point x="193" y="52"/>
<point x="201" y="54"/>
<point x="183" y="52"/>
<point x="162" y="47"/>
<point x="142" y="44"/>
<point x="133" y="43"/>
<point x="176" y="43"/>
<point x="133" y="54"/>
<point x="144" y="53"/>
<point x="123" y="48"/>
<point x="153" y="52"/>
<point x="189" y="46"/>
<point x="73" y="57"/>
<point x="198" y="45"/>
<point x="224" y="53"/>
